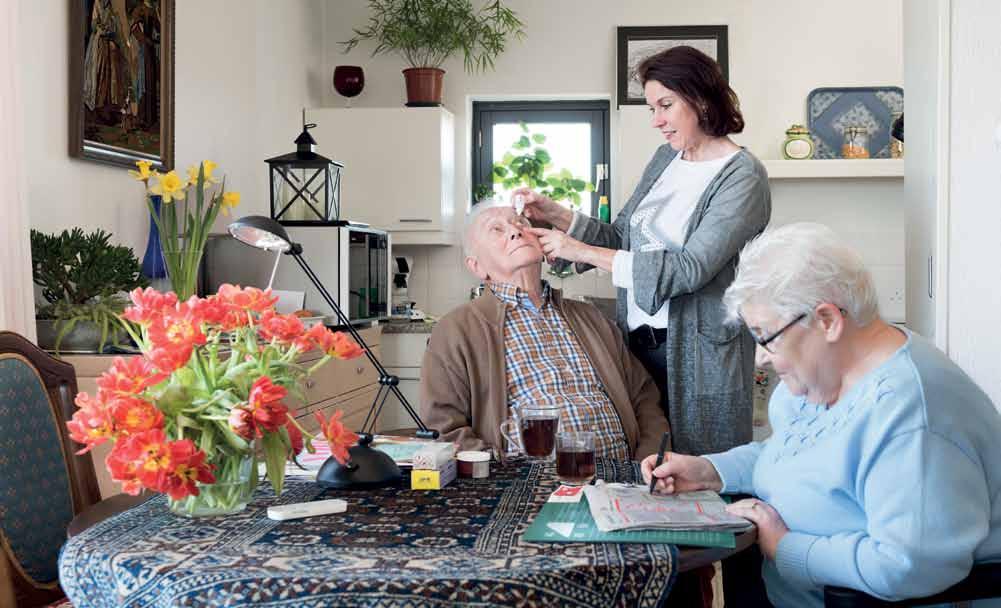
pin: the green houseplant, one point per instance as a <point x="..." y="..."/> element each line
<point x="82" y="277"/>
<point x="427" y="32"/>
<point x="483" y="192"/>
<point x="528" y="164"/>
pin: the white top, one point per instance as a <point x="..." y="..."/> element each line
<point x="662" y="217"/>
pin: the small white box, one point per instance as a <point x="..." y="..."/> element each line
<point x="434" y="456"/>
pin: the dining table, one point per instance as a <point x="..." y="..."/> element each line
<point x="393" y="546"/>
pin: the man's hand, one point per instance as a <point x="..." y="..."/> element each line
<point x="681" y="473"/>
<point x="556" y="244"/>
<point x="771" y="527"/>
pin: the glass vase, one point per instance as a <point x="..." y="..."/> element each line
<point x="232" y="490"/>
<point x="153" y="264"/>
<point x="182" y="268"/>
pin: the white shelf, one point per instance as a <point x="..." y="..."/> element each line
<point x="836" y="168"/>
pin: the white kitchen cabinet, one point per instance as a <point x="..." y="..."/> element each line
<point x="402" y="355"/>
<point x="399" y="168"/>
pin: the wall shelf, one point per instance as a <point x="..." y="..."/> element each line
<point x="834" y="168"/>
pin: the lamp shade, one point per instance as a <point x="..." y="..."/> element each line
<point x="261" y="232"/>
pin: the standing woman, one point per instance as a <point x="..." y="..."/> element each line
<point x="672" y="251"/>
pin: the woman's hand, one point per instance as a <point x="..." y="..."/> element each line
<point x="771" y="527"/>
<point x="556" y="244"/>
<point x="681" y="473"/>
<point x="543" y="209"/>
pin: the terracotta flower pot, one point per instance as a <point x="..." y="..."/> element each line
<point x="423" y="86"/>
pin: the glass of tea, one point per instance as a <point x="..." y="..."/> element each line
<point x="575" y="457"/>
<point x="536" y="428"/>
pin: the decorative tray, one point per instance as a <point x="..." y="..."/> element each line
<point x="830" y="109"/>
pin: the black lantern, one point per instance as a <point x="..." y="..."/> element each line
<point x="305" y="186"/>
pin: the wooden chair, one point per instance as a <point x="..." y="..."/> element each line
<point x="43" y="484"/>
<point x="983" y="582"/>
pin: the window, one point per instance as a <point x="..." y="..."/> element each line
<point x="577" y="139"/>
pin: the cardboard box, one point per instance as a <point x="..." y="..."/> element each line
<point x="433" y="456"/>
<point x="425" y="479"/>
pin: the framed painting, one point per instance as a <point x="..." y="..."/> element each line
<point x="121" y="70"/>
<point x="637" y="43"/>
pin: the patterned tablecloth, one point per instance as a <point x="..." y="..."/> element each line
<point x="392" y="548"/>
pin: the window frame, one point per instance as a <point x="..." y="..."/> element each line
<point x="594" y="112"/>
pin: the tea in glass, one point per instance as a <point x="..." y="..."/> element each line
<point x="575" y="457"/>
<point x="538" y="434"/>
<point x="534" y="430"/>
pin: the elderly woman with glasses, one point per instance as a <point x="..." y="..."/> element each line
<point x="883" y="472"/>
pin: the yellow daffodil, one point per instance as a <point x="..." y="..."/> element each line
<point x="170" y="187"/>
<point x="229" y="201"/>
<point x="143" y="174"/>
<point x="209" y="167"/>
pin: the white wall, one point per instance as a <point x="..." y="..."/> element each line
<point x="779" y="50"/>
<point x="243" y="70"/>
<point x="974" y="276"/>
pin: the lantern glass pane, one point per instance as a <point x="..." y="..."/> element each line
<point x="299" y="193"/>
<point x="334" y="190"/>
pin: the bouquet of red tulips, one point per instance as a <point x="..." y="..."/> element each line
<point x="191" y="417"/>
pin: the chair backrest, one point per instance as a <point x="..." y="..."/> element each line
<point x="983" y="582"/>
<point x="43" y="483"/>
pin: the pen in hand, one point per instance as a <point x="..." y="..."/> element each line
<point x="660" y="457"/>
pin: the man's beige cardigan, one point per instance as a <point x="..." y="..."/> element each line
<point x="464" y="386"/>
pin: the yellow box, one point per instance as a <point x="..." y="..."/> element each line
<point x="426" y="479"/>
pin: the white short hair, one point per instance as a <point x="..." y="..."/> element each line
<point x="797" y="267"/>
<point x="472" y="217"/>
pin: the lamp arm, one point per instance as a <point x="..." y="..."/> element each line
<point x="385" y="378"/>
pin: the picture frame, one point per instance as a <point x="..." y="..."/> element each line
<point x="634" y="44"/>
<point x="121" y="82"/>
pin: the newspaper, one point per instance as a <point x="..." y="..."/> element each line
<point x="619" y="506"/>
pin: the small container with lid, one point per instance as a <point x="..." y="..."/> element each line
<point x="473" y="464"/>
<point x="856" y="144"/>
<point x="604" y="211"/>
<point x="798" y="144"/>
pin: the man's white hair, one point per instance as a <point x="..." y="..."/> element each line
<point x="797" y="267"/>
<point x="472" y="217"/>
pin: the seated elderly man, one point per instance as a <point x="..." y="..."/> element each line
<point x="883" y="471"/>
<point x="521" y="343"/>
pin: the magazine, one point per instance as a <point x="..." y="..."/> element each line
<point x="619" y="506"/>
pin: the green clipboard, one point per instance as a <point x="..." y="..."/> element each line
<point x="563" y="522"/>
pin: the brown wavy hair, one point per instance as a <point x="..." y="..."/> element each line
<point x="697" y="78"/>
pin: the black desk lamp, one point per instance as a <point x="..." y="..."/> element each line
<point x="368" y="467"/>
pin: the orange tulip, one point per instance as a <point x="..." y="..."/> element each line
<point x="339" y="438"/>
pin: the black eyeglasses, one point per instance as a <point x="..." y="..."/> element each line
<point x="764" y="342"/>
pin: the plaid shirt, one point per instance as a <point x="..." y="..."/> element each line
<point x="546" y="363"/>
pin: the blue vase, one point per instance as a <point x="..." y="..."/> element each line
<point x="154" y="266"/>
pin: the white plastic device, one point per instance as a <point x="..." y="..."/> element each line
<point x="307" y="509"/>
<point x="519" y="204"/>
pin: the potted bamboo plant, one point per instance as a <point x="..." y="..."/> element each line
<point x="426" y="32"/>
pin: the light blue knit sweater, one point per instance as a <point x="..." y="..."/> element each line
<point x="894" y="490"/>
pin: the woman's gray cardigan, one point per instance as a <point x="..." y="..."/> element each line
<point x="710" y="365"/>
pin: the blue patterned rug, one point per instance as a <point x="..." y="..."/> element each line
<point x="458" y="546"/>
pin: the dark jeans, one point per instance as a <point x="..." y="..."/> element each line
<point x="654" y="360"/>
<point x="743" y="586"/>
